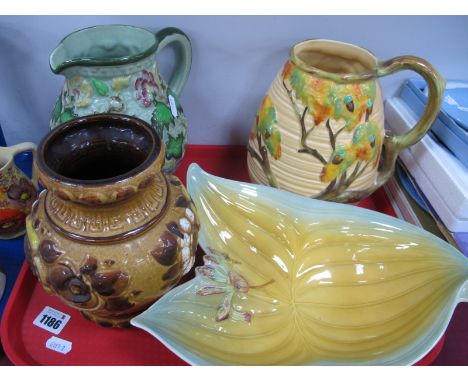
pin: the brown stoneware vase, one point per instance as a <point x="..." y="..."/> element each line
<point x="112" y="232"/>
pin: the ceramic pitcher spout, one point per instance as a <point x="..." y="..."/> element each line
<point x="103" y="45"/>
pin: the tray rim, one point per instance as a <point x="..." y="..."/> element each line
<point x="19" y="300"/>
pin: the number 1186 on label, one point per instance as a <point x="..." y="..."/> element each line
<point x="51" y="320"/>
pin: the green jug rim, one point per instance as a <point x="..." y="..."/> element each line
<point x="90" y="61"/>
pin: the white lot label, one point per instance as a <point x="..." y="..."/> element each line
<point x="51" y="320"/>
<point x="173" y="105"/>
<point x="59" y="345"/>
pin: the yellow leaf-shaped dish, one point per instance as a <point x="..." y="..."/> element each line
<point x="297" y="281"/>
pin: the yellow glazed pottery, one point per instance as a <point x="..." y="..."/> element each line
<point x="289" y="280"/>
<point x="111" y="232"/>
<point x="319" y="131"/>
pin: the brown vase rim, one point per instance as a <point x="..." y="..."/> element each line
<point x="103" y="119"/>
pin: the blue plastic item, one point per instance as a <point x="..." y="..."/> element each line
<point x="455" y="102"/>
<point x="454" y="137"/>
<point x="408" y="185"/>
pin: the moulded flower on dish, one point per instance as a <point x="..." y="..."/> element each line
<point x="292" y="280"/>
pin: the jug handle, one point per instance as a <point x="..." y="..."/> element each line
<point x="27" y="146"/>
<point x="183" y="49"/>
<point x="393" y="144"/>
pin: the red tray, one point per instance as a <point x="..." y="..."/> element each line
<point x="24" y="343"/>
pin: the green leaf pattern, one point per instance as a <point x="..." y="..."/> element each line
<point x="101" y="87"/>
<point x="266" y="126"/>
<point x="175" y="146"/>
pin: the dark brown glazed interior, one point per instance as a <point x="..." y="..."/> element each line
<point x="98" y="149"/>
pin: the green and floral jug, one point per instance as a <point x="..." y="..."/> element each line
<point x="112" y="69"/>
<point x="319" y="131"/>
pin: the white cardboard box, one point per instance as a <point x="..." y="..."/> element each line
<point x="441" y="176"/>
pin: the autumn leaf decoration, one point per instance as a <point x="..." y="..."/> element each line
<point x="266" y="127"/>
<point x="351" y="103"/>
<point x="268" y="138"/>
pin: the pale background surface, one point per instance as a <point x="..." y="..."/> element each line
<point x="235" y="58"/>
